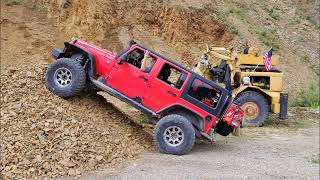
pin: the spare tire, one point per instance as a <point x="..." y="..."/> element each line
<point x="65" y="77"/>
<point x="255" y="107"/>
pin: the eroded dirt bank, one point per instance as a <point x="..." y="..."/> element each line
<point x="99" y="21"/>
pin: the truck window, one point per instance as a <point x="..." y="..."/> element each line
<point x="204" y="93"/>
<point x="172" y="76"/>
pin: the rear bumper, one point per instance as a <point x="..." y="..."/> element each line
<point x="234" y="115"/>
<point x="57" y="53"/>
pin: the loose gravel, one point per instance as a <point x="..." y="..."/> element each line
<point x="44" y="136"/>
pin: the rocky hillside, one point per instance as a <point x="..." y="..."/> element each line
<point x="181" y="29"/>
<point x="291" y="27"/>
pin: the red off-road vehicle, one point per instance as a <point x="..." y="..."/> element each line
<point x="183" y="105"/>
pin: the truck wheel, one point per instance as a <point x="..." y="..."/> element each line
<point x="65" y="77"/>
<point x="255" y="107"/>
<point x="174" y="134"/>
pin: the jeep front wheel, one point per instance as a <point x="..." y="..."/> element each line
<point x="174" y="134"/>
<point x="255" y="107"/>
<point x="65" y="77"/>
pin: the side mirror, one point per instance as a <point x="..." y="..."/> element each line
<point x="123" y="58"/>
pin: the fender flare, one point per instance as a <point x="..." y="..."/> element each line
<point x="198" y="121"/>
<point x="69" y="47"/>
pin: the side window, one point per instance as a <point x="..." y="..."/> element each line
<point x="136" y="56"/>
<point x="205" y="93"/>
<point x="172" y="76"/>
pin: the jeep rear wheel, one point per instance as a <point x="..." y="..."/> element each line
<point x="174" y="134"/>
<point x="65" y="77"/>
<point x="255" y="107"/>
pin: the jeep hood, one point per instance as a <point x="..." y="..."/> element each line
<point x="95" y="50"/>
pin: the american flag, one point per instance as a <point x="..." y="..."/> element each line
<point x="267" y="60"/>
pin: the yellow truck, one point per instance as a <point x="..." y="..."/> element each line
<point x="256" y="90"/>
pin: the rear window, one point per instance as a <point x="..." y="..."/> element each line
<point x="204" y="93"/>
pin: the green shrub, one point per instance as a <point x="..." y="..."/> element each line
<point x="308" y="97"/>
<point x="315" y="160"/>
<point x="143" y="118"/>
<point x="13" y="2"/>
<point x="273" y="14"/>
<point x="241" y="13"/>
<point x="314" y="22"/>
<point x="268" y="38"/>
<point x="234" y="30"/>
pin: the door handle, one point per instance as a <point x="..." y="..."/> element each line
<point x="171" y="93"/>
<point x="143" y="78"/>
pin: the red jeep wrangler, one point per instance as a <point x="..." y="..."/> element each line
<point x="183" y="104"/>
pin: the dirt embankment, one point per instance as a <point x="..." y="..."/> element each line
<point x="183" y="28"/>
<point x="27" y="36"/>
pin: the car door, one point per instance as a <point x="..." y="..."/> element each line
<point x="166" y="87"/>
<point x="127" y="77"/>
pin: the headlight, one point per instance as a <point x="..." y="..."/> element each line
<point x="246" y="80"/>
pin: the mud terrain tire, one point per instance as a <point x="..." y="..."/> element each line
<point x="174" y="134"/>
<point x="255" y="99"/>
<point x="65" y="77"/>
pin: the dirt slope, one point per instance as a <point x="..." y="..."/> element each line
<point x="100" y="19"/>
<point x="174" y="30"/>
<point x="27" y="36"/>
